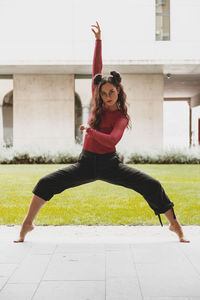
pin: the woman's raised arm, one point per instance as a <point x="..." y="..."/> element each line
<point x="97" y="64"/>
<point x="97" y="59"/>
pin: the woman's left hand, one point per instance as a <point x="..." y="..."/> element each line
<point x="98" y="33"/>
<point x="84" y="127"/>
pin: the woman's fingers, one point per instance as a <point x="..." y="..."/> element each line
<point x="93" y="29"/>
<point x="98" y="24"/>
<point x="94" y="33"/>
<point x="94" y="26"/>
<point x="98" y="32"/>
<point x="83" y="127"/>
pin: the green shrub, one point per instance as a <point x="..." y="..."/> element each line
<point x="38" y="156"/>
<point x="169" y="156"/>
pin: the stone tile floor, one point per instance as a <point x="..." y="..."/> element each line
<point x="99" y="263"/>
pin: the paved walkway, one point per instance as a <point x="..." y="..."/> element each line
<point x="99" y="263"/>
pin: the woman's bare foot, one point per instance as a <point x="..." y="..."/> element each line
<point x="176" y="227"/>
<point x="25" y="228"/>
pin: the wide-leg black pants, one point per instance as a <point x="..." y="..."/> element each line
<point x="107" y="167"/>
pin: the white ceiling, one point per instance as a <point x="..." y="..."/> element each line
<point x="182" y="85"/>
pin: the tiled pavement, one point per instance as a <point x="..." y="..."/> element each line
<point x="99" y="263"/>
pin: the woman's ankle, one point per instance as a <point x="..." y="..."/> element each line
<point x="174" y="222"/>
<point x="27" y="222"/>
<point x="170" y="215"/>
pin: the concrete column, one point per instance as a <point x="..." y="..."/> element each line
<point x="43" y="111"/>
<point x="195" y="100"/>
<point x="145" y="98"/>
<point x="1" y="125"/>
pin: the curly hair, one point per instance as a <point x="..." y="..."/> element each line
<point x="97" y="110"/>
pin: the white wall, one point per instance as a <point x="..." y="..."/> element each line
<point x="60" y="30"/>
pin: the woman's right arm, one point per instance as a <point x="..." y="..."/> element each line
<point x="97" y="58"/>
<point x="97" y="65"/>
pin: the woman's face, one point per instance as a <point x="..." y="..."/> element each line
<point x="109" y="94"/>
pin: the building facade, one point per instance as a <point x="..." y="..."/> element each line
<point x="45" y="95"/>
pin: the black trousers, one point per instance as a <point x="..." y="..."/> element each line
<point x="107" y="167"/>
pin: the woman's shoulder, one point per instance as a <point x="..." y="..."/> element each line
<point x="122" y="118"/>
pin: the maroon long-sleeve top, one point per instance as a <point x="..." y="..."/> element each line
<point x="113" y="123"/>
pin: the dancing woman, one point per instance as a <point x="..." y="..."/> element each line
<point x="98" y="159"/>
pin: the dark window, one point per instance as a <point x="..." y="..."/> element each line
<point x="162" y="20"/>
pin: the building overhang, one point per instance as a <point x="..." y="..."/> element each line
<point x="81" y="67"/>
<point x="181" y="77"/>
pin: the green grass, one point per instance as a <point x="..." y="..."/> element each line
<point x="99" y="203"/>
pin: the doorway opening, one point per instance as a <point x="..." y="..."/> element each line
<point x="6" y="110"/>
<point x="177" y="127"/>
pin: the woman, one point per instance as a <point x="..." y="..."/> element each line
<point x="98" y="159"/>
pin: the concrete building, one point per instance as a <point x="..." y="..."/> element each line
<point x="45" y="86"/>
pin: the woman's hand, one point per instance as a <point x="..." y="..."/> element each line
<point x="84" y="127"/>
<point x="98" y="33"/>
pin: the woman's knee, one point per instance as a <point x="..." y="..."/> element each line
<point x="44" y="182"/>
<point x="154" y="185"/>
<point x="44" y="188"/>
<point x="156" y="182"/>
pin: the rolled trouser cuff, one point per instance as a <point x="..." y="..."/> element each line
<point x="165" y="210"/>
<point x="42" y="194"/>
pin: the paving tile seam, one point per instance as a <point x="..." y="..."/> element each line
<point x="41" y="280"/>
<point x="41" y="254"/>
<point x="60" y="280"/>
<point x="194" y="267"/>
<point x="136" y="271"/>
<point x="168" y="297"/>
<point x="157" y="263"/>
<point x="6" y="282"/>
<point x="88" y="251"/>
<point x="105" y="265"/>
<point x="21" y="282"/>
<point x="8" y="264"/>
<point x="17" y="266"/>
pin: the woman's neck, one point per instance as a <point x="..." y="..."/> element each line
<point x="111" y="108"/>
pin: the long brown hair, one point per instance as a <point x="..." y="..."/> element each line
<point x="97" y="110"/>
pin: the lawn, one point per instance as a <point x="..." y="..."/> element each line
<point x="99" y="203"/>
